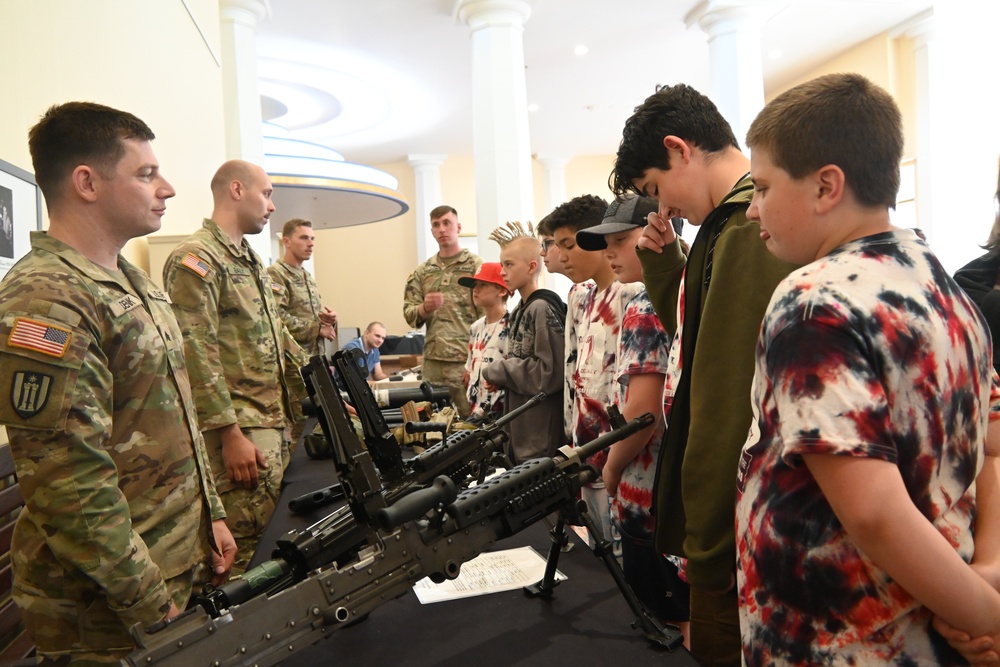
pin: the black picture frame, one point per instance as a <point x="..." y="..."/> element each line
<point x="20" y="213"/>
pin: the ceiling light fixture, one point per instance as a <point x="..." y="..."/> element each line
<point x="581" y="50"/>
<point x="316" y="183"/>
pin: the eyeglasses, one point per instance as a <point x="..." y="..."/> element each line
<point x="547" y="243"/>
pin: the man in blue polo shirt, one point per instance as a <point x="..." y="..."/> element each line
<point x="369" y="342"/>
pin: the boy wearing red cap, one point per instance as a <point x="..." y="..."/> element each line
<point x="487" y="339"/>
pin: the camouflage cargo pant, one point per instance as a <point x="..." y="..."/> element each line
<point x="449" y="374"/>
<point x="248" y="512"/>
<point x="71" y="623"/>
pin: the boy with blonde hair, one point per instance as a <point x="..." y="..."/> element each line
<point x="859" y="481"/>
<point x="535" y="347"/>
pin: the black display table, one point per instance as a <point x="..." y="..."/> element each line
<point x="585" y="623"/>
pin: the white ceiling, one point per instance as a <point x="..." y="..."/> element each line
<point x="380" y="79"/>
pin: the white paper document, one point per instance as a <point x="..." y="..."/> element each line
<point x="487" y="573"/>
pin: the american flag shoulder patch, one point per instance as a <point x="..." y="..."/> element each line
<point x="39" y="336"/>
<point x="196" y="264"/>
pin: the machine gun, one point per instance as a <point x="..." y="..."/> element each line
<point x="365" y="554"/>
<point x="463" y="456"/>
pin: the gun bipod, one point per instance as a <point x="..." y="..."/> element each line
<point x="666" y="636"/>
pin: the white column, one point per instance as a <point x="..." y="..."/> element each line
<point x="922" y="36"/>
<point x="554" y="173"/>
<point x="501" y="146"/>
<point x="427" y="183"/>
<point x="734" y="29"/>
<point x="957" y="129"/>
<point x="238" y="21"/>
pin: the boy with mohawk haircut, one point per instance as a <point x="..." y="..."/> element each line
<point x="534" y="360"/>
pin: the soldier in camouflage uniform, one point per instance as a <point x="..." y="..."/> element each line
<point x="308" y="320"/>
<point x="295" y="291"/>
<point x="238" y="351"/>
<point x="121" y="515"/>
<point x="434" y="297"/>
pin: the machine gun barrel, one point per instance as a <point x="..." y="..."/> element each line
<point x="456" y="448"/>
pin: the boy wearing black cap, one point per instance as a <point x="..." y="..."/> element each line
<point x="640" y="369"/>
<point x="487" y="339"/>
<point x="678" y="149"/>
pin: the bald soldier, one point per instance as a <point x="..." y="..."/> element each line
<point x="121" y="515"/>
<point x="240" y="356"/>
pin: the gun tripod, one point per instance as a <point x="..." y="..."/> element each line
<point x="666" y="636"/>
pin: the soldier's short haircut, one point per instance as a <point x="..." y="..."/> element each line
<point x="840" y="119"/>
<point x="75" y="133"/>
<point x="289" y="227"/>
<point x="373" y="324"/>
<point x="444" y="209"/>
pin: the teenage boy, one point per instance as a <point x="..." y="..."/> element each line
<point x="487" y="338"/>
<point x="640" y="369"/>
<point x="679" y="149"/>
<point x="871" y="402"/>
<point x="592" y="329"/>
<point x="534" y="361"/>
<point x="550" y="255"/>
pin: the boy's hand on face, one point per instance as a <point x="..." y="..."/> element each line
<point x="657" y="233"/>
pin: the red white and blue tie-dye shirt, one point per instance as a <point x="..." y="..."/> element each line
<point x="872" y="351"/>
<point x="642" y="351"/>
<point x="487" y="343"/>
<point x="594" y="326"/>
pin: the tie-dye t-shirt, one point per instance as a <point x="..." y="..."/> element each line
<point x="595" y="320"/>
<point x="871" y="351"/>
<point x="487" y="343"/>
<point x="643" y="350"/>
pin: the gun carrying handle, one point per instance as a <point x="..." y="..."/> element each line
<point x="426" y="427"/>
<point x="414" y="505"/>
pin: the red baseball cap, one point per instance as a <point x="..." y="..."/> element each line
<point x="489" y="272"/>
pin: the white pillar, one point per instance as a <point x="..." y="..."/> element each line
<point x="501" y="146"/>
<point x="734" y="29"/>
<point x="554" y="173"/>
<point x="238" y="21"/>
<point x="958" y="134"/>
<point x="923" y="37"/>
<point x="427" y="183"/>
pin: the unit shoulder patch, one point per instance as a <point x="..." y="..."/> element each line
<point x="29" y="392"/>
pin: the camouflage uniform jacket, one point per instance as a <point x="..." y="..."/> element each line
<point x="448" y="327"/>
<point x="236" y="346"/>
<point x="299" y="304"/>
<point x="103" y="430"/>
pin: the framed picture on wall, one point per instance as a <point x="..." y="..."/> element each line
<point x="20" y="213"/>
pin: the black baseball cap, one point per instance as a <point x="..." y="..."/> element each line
<point x="622" y="215"/>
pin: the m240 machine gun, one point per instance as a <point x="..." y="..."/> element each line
<point x="463" y="456"/>
<point x="365" y="554"/>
